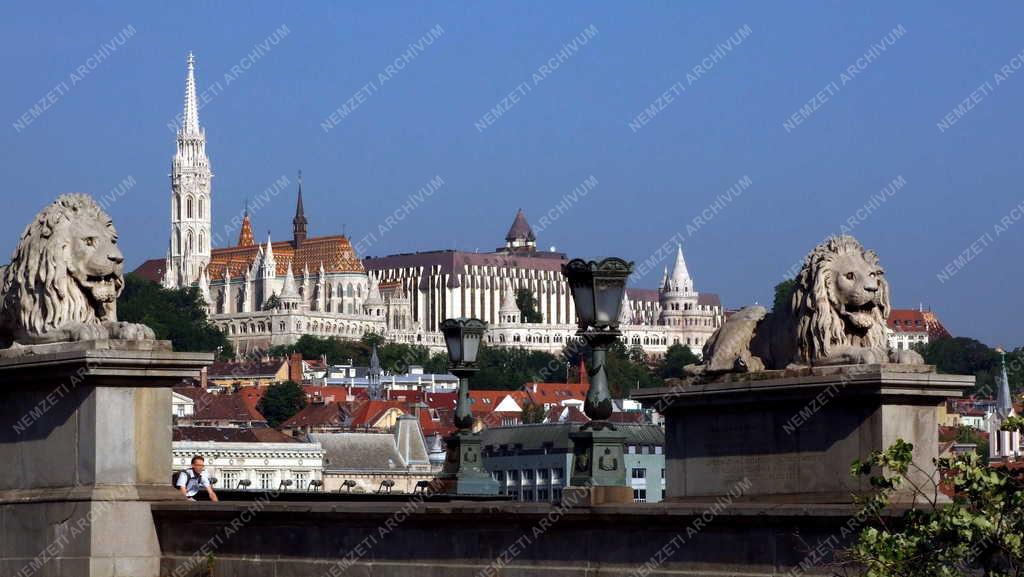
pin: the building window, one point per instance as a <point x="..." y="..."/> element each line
<point x="266" y="479"/>
<point x="639" y="473"/>
<point x="542" y="475"/>
<point x="639" y="495"/>
<point x="542" y="494"/>
<point x="527" y="494"/>
<point x="301" y="479"/>
<point x="557" y="475"/>
<point x="528" y="475"/>
<point x="231" y="479"/>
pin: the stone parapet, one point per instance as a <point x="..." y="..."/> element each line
<point x="794" y="433"/>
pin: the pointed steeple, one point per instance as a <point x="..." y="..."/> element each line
<point x="680" y="280"/>
<point x="508" y="312"/>
<point x="191" y="116"/>
<point x="520" y="235"/>
<point x="269" y="252"/>
<point x="1004" y="401"/>
<point x="625" y="312"/>
<point x="373" y="297"/>
<point x="204" y="288"/>
<point x="290" y="290"/>
<point x="299" y="222"/>
<point x="245" y="237"/>
<point x="373" y="376"/>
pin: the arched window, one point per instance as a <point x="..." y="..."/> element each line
<point x="177" y="241"/>
<point x="188" y="207"/>
<point x="202" y="207"/>
<point x="177" y="206"/>
<point x="202" y="241"/>
<point x="348" y="290"/>
<point x="188" y="243"/>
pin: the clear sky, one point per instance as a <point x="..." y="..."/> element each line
<point x="482" y="107"/>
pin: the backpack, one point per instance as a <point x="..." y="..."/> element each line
<point x="177" y="474"/>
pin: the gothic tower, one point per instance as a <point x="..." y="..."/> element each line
<point x="678" y="298"/>
<point x="190" y="195"/>
<point x="299" y="222"/>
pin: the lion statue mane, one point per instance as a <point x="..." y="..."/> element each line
<point x="64" y="279"/>
<point x="836" y="315"/>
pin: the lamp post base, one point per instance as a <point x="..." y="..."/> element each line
<point x="598" y="457"/>
<point x="463" y="472"/>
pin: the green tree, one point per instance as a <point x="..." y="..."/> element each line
<point x="281" y="401"/>
<point x="338" y="351"/>
<point x="965" y="356"/>
<point x="783" y="295"/>
<point x="528" y="310"/>
<point x="670" y="366"/>
<point x="509" y="368"/>
<point x="626" y="369"/>
<point x="177" y="315"/>
<point x="979" y="533"/>
<point x="532" y="413"/>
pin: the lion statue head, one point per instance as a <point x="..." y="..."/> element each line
<point x="841" y="299"/>
<point x="64" y="278"/>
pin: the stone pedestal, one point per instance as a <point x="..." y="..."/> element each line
<point x="792" y="435"/>
<point x="85" y="438"/>
<point x="463" y="472"/>
<point x="598" y="468"/>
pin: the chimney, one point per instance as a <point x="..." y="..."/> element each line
<point x="202" y="378"/>
<point x="295" y="367"/>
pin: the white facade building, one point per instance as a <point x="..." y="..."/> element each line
<point x="269" y="294"/>
<point x="264" y="465"/>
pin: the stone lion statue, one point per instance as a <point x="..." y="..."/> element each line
<point x="64" y="279"/>
<point x="837" y="315"/>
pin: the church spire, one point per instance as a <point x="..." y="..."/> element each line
<point x="299" y="222"/>
<point x="191" y="117"/>
<point x="245" y="237"/>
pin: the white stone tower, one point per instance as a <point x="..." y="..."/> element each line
<point x="190" y="195"/>
<point x="678" y="297"/>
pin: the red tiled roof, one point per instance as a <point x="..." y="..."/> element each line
<point x="332" y="414"/>
<point x="573" y="415"/>
<point x="917" y="321"/>
<point x="335" y="252"/>
<point x="227" y="408"/>
<point x="541" y="393"/>
<point x="367" y="413"/>
<point x="152" y="269"/>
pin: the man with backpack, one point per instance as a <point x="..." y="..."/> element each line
<point x="192" y="480"/>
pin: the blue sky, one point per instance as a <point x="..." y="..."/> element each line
<point x="725" y="122"/>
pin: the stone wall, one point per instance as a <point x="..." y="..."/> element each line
<point x="487" y="539"/>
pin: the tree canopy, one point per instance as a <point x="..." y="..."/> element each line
<point x="979" y="533"/>
<point x="281" y="401"/>
<point x="528" y="310"/>
<point x="627" y="368"/>
<point x="177" y="315"/>
<point x="676" y="357"/>
<point x="967" y="356"/>
<point x="783" y="294"/>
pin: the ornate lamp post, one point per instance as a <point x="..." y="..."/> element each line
<point x="597" y="289"/>
<point x="463" y="472"/>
